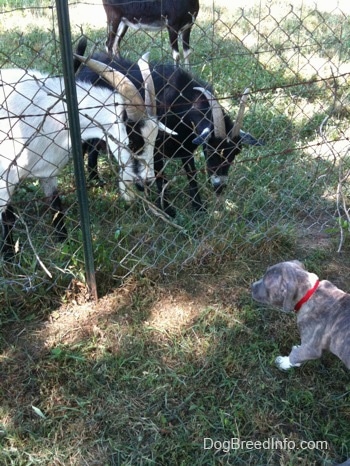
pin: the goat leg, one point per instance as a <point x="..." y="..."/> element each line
<point x="174" y="44"/>
<point x="92" y="148"/>
<point x="191" y="172"/>
<point x="161" y="182"/>
<point x="49" y="186"/>
<point x="8" y="220"/>
<point x="58" y="217"/>
<point x="186" y="46"/>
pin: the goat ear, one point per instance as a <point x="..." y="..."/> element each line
<point x="248" y="139"/>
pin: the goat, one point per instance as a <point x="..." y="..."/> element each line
<point x="35" y="137"/>
<point x="153" y="15"/>
<point x="142" y="128"/>
<point x="188" y="106"/>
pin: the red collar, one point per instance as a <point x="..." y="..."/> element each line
<point x="307" y="296"/>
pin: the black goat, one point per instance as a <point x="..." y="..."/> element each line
<point x="187" y="106"/>
<point x="177" y="16"/>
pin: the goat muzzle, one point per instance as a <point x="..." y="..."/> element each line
<point x="218" y="183"/>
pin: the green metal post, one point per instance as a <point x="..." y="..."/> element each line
<point x="74" y="125"/>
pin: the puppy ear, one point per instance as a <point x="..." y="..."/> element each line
<point x="300" y="264"/>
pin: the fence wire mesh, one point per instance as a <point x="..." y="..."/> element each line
<point x="295" y="60"/>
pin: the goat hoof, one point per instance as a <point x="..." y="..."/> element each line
<point x="170" y="211"/>
<point x="219" y="189"/>
<point x="61" y="235"/>
<point x="8" y="253"/>
<point x="140" y="187"/>
<point x="100" y="182"/>
<point x="199" y="208"/>
<point x="167" y="208"/>
<point x="96" y="181"/>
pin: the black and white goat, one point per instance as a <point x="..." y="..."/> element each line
<point x="35" y="137"/>
<point x="188" y="106"/>
<point x="152" y="15"/>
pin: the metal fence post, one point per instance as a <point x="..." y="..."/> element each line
<point x="74" y="124"/>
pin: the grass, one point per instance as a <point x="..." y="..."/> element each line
<point x="124" y="389"/>
<point x="175" y="351"/>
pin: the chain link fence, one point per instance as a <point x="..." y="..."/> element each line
<point x="295" y="60"/>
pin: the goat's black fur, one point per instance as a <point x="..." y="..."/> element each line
<point x="177" y="16"/>
<point x="185" y="110"/>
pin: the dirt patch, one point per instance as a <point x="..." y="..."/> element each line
<point x="171" y="305"/>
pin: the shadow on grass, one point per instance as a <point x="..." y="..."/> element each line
<point x="155" y="368"/>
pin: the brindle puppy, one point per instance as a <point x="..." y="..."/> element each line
<point x="323" y="311"/>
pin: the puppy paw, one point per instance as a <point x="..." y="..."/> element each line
<point x="283" y="363"/>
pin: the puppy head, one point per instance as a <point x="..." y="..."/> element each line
<point x="283" y="285"/>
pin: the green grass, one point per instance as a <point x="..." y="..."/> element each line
<point x="175" y="351"/>
<point x="125" y="392"/>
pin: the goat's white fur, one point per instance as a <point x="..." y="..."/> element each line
<point x="34" y="130"/>
<point x="152" y="27"/>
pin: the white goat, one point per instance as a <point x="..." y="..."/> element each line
<point x="35" y="138"/>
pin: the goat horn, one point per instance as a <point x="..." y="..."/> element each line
<point x="135" y="105"/>
<point x="218" y="114"/>
<point x="239" y="119"/>
<point x="150" y="93"/>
